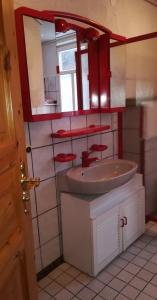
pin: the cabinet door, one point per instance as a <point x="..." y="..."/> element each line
<point x="133" y="211"/>
<point x="106" y="239"/>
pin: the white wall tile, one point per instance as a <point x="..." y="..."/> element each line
<point x="29" y="165"/>
<point x="38" y="260"/>
<point x="40" y="133"/>
<point x="46" y="195"/>
<point x="106" y="120"/>
<point x="60" y="124"/>
<point x="50" y="251"/>
<point x="33" y="204"/>
<point x="79" y="145"/>
<point x="35" y="233"/>
<point x="115" y="133"/>
<point x="131" y="140"/>
<point x="43" y="162"/>
<point x="93" y="119"/>
<point x="78" y="122"/>
<point x="48" y="225"/>
<point x="62" y="148"/>
<point x="107" y="139"/>
<point x="114" y="121"/>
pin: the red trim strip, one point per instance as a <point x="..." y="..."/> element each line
<point x="135" y="39"/>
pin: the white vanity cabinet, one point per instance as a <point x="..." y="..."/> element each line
<point x="99" y="227"/>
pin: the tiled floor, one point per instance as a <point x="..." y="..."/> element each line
<point x="132" y="275"/>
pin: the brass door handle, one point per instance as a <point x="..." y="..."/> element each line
<point x="30" y="182"/>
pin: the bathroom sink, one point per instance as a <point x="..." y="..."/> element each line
<point x="100" y="177"/>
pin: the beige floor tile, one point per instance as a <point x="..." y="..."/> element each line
<point x="108" y="293"/>
<point x="75" y="286"/>
<point x="130" y="292"/>
<point x="144" y="274"/>
<point x="53" y="288"/>
<point x="64" y="295"/>
<point x="138" y="283"/>
<point x="125" y="276"/>
<point x="86" y="294"/>
<point x="117" y="284"/>
<point x="151" y="290"/>
<point x="95" y="285"/>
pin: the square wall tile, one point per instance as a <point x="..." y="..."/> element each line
<point x="65" y="147"/>
<point x="35" y="233"/>
<point x="106" y="120"/>
<point x="40" y="133"/>
<point x="60" y="124"/>
<point x="43" y="163"/>
<point x="130" y="114"/>
<point x="93" y="119"/>
<point x="50" y="251"/>
<point x="131" y="140"/>
<point x="48" y="225"/>
<point x="115" y="135"/>
<point x="78" y="146"/>
<point x="46" y="195"/>
<point x="78" y="122"/>
<point x="30" y="165"/>
<point x="38" y="263"/>
<point x="114" y="121"/>
<point x="107" y="139"/>
<point x="33" y="203"/>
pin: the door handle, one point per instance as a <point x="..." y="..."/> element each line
<point x="26" y="184"/>
<point x="125" y="221"/>
<point x="122" y="225"/>
<point x="30" y="182"/>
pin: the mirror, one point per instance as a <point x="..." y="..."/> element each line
<point x="64" y="67"/>
<point x="51" y="67"/>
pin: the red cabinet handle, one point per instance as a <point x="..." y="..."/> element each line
<point x="125" y="220"/>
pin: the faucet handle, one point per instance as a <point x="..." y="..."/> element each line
<point x="85" y="154"/>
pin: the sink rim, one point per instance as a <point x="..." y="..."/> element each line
<point x="72" y="172"/>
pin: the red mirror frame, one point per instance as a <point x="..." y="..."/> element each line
<point x="98" y="51"/>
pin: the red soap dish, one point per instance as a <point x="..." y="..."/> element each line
<point x="64" y="157"/>
<point x="79" y="131"/>
<point x="96" y="147"/>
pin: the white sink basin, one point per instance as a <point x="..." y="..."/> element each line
<point x="100" y="177"/>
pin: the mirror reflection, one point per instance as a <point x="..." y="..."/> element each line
<point x="51" y="63"/>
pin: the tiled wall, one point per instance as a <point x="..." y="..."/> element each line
<point x="44" y="203"/>
<point x="133" y="151"/>
<point x="150" y="174"/>
<point x="131" y="134"/>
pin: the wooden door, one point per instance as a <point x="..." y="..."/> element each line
<point x="17" y="270"/>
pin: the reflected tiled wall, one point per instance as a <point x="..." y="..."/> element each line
<point x="150" y="174"/>
<point x="44" y="203"/>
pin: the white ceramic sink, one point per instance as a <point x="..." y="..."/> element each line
<point x="100" y="177"/>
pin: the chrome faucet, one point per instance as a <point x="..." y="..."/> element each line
<point x="86" y="160"/>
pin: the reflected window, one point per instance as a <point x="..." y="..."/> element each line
<point x="67" y="67"/>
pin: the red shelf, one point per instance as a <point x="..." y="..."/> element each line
<point x="64" y="157"/>
<point x="98" y="148"/>
<point x="79" y="131"/>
